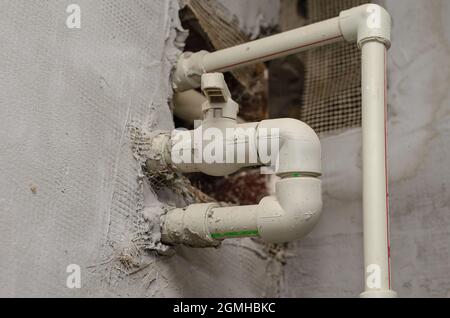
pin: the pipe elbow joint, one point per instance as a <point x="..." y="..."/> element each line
<point x="294" y="211"/>
<point x="299" y="148"/>
<point x="189" y="70"/>
<point x="365" y="23"/>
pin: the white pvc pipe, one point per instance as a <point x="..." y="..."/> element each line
<point x="272" y="47"/>
<point x="233" y="222"/>
<point x="289" y="215"/>
<point x="369" y="26"/>
<point x="299" y="147"/>
<point x="191" y="66"/>
<point x="188" y="105"/>
<point x="375" y="180"/>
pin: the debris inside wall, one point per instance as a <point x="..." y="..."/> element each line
<point x="243" y="188"/>
<point x="212" y="27"/>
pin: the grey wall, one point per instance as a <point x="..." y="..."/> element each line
<point x="71" y="190"/>
<point x="329" y="262"/>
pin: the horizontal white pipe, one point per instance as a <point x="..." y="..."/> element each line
<point x="272" y="47"/>
<point x="233" y="222"/>
<point x="358" y="24"/>
<point x="188" y="226"/>
<point x="298" y="152"/>
<point x="191" y="66"/>
<point x="289" y="215"/>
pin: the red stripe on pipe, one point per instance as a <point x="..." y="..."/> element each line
<point x="386" y="168"/>
<point x="274" y="54"/>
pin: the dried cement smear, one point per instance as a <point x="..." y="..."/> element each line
<point x="166" y="185"/>
<point x="71" y="190"/>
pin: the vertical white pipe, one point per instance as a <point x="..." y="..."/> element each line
<point x="375" y="180"/>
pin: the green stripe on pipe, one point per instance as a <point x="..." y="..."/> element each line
<point x="234" y="234"/>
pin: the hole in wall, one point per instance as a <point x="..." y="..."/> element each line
<point x="319" y="87"/>
<point x="286" y="85"/>
<point x="302" y="8"/>
<point x="247" y="186"/>
<point x="329" y="88"/>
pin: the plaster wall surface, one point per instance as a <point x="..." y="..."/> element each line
<point x="71" y="191"/>
<point x="329" y="262"/>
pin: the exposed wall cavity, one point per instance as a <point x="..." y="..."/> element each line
<point x="212" y="26"/>
<point x="322" y="86"/>
<point x="255" y="15"/>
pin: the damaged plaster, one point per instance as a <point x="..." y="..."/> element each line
<point x="72" y="189"/>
